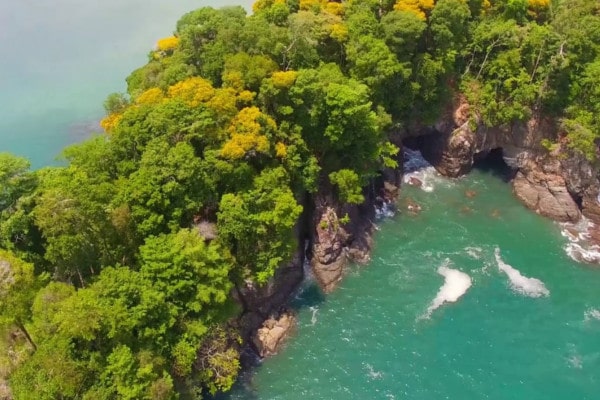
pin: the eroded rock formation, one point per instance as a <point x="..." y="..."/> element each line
<point x="561" y="185"/>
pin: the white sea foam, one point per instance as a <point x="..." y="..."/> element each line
<point x="371" y="373"/>
<point x="575" y="361"/>
<point x="414" y="160"/>
<point x="474" y="252"/>
<point x="580" y="246"/>
<point x="313" y="317"/>
<point x="415" y="166"/>
<point x="590" y="314"/>
<point x="531" y="287"/>
<point x="582" y="253"/>
<point x="386" y="210"/>
<point x="456" y="284"/>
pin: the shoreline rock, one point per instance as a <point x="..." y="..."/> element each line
<point x="560" y="185"/>
<point x="273" y="332"/>
<point x="540" y="185"/>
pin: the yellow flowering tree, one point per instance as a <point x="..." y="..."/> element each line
<point x="418" y="7"/>
<point x="193" y="91"/>
<point x="167" y="44"/>
<point x="248" y="133"/>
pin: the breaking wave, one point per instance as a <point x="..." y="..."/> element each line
<point x="456" y="284"/>
<point x="418" y="172"/>
<point x="580" y="247"/>
<point x="531" y="287"/>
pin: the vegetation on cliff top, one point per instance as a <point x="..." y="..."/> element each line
<point x="106" y="266"/>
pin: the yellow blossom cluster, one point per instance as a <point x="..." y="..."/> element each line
<point x="339" y="32"/>
<point x="150" y="96"/>
<point x="264" y="4"/>
<point x="247" y="133"/>
<point x="335" y="8"/>
<point x="284" y="79"/>
<point x="538" y="4"/>
<point x="280" y="150"/>
<point x="417" y="7"/>
<point x="167" y="44"/>
<point x="193" y="91"/>
<point x="109" y="122"/>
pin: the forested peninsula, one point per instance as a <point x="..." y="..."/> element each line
<point x="250" y="145"/>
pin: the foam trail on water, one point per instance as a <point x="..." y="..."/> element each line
<point x="456" y="284"/>
<point x="474" y="252"/>
<point x="590" y="314"/>
<point x="581" y="247"/>
<point x="313" y="318"/>
<point x="531" y="287"/>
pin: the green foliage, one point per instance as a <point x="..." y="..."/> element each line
<point x="349" y="186"/>
<point x="258" y="225"/>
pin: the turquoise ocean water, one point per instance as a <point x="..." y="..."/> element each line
<point x="527" y="327"/>
<point x="59" y="59"/>
<point x="525" y="323"/>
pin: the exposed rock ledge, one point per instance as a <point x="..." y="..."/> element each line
<point x="268" y="338"/>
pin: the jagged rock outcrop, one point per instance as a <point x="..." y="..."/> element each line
<point x="560" y="185"/>
<point x="329" y="258"/>
<point x="342" y="233"/>
<point x="269" y="337"/>
<point x="539" y="184"/>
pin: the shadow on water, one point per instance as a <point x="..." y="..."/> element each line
<point x="309" y="295"/>
<point x="492" y="162"/>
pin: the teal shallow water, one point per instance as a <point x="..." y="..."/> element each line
<point x="61" y="58"/>
<point x="371" y="338"/>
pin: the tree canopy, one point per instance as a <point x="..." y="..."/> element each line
<point x="233" y="123"/>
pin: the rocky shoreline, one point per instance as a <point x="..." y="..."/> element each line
<point x="559" y="184"/>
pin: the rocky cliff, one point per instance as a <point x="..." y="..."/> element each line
<point x="559" y="184"/>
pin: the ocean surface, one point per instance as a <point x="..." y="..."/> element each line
<point x="61" y="58"/>
<point x="474" y="297"/>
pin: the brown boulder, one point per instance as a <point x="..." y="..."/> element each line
<point x="268" y="338"/>
<point x="415" y="181"/>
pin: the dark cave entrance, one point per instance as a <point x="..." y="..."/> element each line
<point x="494" y="162"/>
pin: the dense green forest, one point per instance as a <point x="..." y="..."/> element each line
<point x="117" y="269"/>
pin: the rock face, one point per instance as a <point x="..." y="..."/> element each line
<point x="259" y="302"/>
<point x="268" y="338"/>
<point x="540" y="186"/>
<point x="451" y="153"/>
<point x="335" y="244"/>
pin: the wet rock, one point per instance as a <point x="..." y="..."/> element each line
<point x="390" y="192"/>
<point x="451" y="153"/>
<point x="591" y="208"/>
<point x="415" y="181"/>
<point x="268" y="339"/>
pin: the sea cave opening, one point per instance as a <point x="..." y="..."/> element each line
<point x="494" y="162"/>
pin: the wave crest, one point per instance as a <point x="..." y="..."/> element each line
<point x="531" y="287"/>
<point x="456" y="284"/>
